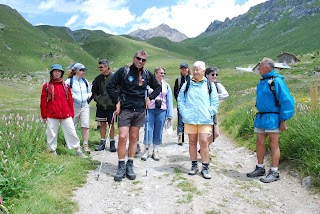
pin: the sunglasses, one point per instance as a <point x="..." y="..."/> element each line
<point x="100" y="67"/>
<point x="141" y="59"/>
<point x="82" y="69"/>
<point x="214" y="75"/>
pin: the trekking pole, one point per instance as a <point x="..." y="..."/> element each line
<point x="147" y="139"/>
<point x="107" y="140"/>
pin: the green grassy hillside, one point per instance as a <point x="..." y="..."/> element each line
<point x="85" y="36"/>
<point x="57" y="32"/>
<point x="168" y="45"/>
<point x="25" y="48"/>
<point x="234" y="46"/>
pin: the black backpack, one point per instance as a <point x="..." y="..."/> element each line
<point x="126" y="72"/>
<point x="271" y="86"/>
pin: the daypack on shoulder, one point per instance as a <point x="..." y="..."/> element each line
<point x="65" y="86"/>
<point x="145" y="74"/>
<point x="84" y="80"/>
<point x="188" y="85"/>
<point x="271" y="86"/>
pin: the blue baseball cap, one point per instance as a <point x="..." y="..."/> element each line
<point x="56" y="67"/>
<point x="184" y="65"/>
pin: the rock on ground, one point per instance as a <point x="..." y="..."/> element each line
<point x="167" y="187"/>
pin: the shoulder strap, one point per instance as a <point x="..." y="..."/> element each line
<point x="179" y="81"/>
<point x="271" y="86"/>
<point x="216" y="84"/>
<point x="187" y="87"/>
<point x="209" y="86"/>
<point x="85" y="82"/>
<point x="71" y="82"/>
<point x="126" y="72"/>
<point x="147" y="75"/>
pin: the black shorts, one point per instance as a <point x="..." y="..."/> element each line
<point x="131" y="118"/>
<point x="104" y="115"/>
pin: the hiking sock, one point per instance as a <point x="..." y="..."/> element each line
<point x="112" y="139"/>
<point x="130" y="158"/>
<point x="155" y="147"/>
<point x="78" y="149"/>
<point x="205" y="165"/>
<point x="103" y="139"/>
<point x="146" y="146"/>
<point x="194" y="162"/>
<point x="260" y="165"/>
<point x="275" y="169"/>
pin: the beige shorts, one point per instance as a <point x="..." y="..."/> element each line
<point x="82" y="115"/>
<point x="197" y="129"/>
<point x="265" y="131"/>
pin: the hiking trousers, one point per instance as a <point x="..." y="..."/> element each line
<point x="69" y="133"/>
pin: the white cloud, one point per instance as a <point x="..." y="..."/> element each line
<point x="192" y="17"/>
<point x="60" y="6"/>
<point x="71" y="21"/>
<point x="109" y="12"/>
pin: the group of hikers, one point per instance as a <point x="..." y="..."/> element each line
<point x="134" y="98"/>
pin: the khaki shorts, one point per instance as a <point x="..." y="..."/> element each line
<point x="197" y="129"/>
<point x="265" y="131"/>
<point x="82" y="115"/>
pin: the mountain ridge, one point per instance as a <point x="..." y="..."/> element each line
<point x="162" y="30"/>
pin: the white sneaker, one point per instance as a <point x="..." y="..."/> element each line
<point x="145" y="155"/>
<point x="86" y="148"/>
<point x="53" y="153"/>
<point x="80" y="153"/>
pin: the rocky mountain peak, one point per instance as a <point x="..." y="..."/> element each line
<point x="162" y="30"/>
<point x="268" y="12"/>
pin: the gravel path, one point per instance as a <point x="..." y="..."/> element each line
<point x="167" y="188"/>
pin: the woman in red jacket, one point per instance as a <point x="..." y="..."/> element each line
<point x="56" y="107"/>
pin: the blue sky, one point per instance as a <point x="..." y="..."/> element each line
<point x="190" y="17"/>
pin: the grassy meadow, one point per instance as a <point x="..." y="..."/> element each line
<point x="32" y="181"/>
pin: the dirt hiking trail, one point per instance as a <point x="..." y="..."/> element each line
<point x="168" y="188"/>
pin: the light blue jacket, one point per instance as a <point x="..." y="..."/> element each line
<point x="197" y="106"/>
<point x="270" y="115"/>
<point x="80" y="92"/>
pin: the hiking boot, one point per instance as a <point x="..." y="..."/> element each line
<point x="272" y="176"/>
<point x="81" y="154"/>
<point x="101" y="146"/>
<point x="113" y="146"/>
<point x="121" y="172"/>
<point x="205" y="172"/>
<point x="155" y="156"/>
<point x="259" y="171"/>
<point x="138" y="150"/>
<point x="180" y="140"/>
<point x="53" y="153"/>
<point x="86" y="149"/>
<point x="145" y="155"/>
<point x="129" y="171"/>
<point x="194" y="169"/>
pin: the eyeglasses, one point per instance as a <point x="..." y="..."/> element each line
<point x="141" y="59"/>
<point x="214" y="75"/>
<point x="100" y="67"/>
<point x="82" y="69"/>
